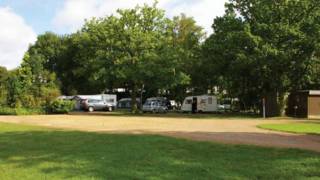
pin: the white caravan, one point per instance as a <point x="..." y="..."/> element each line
<point x="205" y="103"/>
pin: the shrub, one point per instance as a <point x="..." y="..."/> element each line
<point x="7" y="111"/>
<point x="20" y="111"/>
<point x="61" y="106"/>
<point x="29" y="111"/>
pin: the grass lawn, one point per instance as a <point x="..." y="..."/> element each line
<point x="303" y="128"/>
<point x="36" y="153"/>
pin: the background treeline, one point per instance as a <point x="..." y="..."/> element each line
<point x="259" y="48"/>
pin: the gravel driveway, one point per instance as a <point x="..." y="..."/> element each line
<point x="223" y="131"/>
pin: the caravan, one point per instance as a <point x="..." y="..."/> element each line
<point x="204" y="103"/>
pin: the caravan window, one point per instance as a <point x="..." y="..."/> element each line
<point x="93" y="101"/>
<point x="189" y="101"/>
<point x="110" y="100"/>
<point x="210" y="100"/>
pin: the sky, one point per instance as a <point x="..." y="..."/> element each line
<point x="22" y="20"/>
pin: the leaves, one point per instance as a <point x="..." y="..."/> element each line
<point x="264" y="46"/>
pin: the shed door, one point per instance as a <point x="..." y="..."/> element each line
<point x="314" y="107"/>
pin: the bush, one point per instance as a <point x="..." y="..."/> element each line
<point x="7" y="111"/>
<point x="29" y="111"/>
<point x="20" y="111"/>
<point x="61" y="107"/>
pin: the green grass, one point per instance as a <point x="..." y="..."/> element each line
<point x="301" y="128"/>
<point x="36" y="153"/>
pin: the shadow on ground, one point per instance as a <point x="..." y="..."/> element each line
<point x="299" y="141"/>
<point x="52" y="154"/>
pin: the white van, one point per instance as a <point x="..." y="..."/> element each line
<point x="205" y="103"/>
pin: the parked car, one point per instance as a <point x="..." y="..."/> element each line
<point x="225" y="105"/>
<point x="125" y="103"/>
<point x="155" y="105"/>
<point x="96" y="105"/>
<point x="110" y="99"/>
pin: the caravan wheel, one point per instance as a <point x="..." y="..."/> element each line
<point x="90" y="109"/>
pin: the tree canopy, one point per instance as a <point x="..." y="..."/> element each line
<point x="261" y="47"/>
<point x="258" y="48"/>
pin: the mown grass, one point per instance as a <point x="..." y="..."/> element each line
<point x="301" y="128"/>
<point x="35" y="153"/>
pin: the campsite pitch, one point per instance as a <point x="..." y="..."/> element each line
<point x="214" y="129"/>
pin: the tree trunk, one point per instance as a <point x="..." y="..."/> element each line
<point x="134" y="105"/>
<point x="282" y="103"/>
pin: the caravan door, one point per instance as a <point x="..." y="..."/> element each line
<point x="187" y="105"/>
<point x="194" y="105"/>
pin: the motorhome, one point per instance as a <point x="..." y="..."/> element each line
<point x="204" y="103"/>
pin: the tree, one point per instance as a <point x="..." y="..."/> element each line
<point x="31" y="86"/>
<point x="187" y="40"/>
<point x="132" y="50"/>
<point x="4" y="74"/>
<point x="265" y="46"/>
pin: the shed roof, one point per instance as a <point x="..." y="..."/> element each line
<point x="314" y="92"/>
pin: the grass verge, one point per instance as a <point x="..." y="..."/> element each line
<point x="299" y="128"/>
<point x="36" y="153"/>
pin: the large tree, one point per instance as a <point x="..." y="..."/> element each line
<point x="133" y="49"/>
<point x="187" y="40"/>
<point x="266" y="46"/>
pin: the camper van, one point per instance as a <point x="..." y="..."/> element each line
<point x="198" y="104"/>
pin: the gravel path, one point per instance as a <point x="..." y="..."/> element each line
<point x="223" y="131"/>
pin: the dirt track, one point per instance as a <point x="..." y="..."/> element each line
<point x="224" y="131"/>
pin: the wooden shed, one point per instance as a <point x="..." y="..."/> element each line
<point x="304" y="104"/>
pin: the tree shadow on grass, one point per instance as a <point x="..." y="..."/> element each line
<point x="64" y="154"/>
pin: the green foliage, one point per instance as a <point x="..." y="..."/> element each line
<point x="31" y="85"/>
<point x="14" y="88"/>
<point x="263" y="47"/>
<point x="4" y="75"/>
<point x="258" y="48"/>
<point x="130" y="50"/>
<point x="20" y="111"/>
<point x="61" y="106"/>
